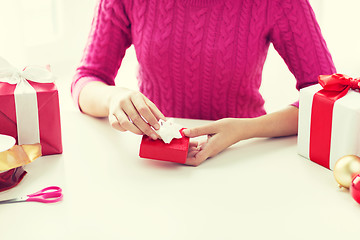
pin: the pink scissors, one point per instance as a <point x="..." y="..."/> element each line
<point x="47" y="195"/>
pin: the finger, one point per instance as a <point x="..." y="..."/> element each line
<point x="216" y="144"/>
<point x="199" y="157"/>
<point x="199" y="131"/>
<point x="144" y="110"/>
<point x="206" y="150"/>
<point x="192" y="152"/>
<point x="195" y="158"/>
<point x="138" y="122"/>
<point x="193" y="144"/>
<point x="193" y="147"/>
<point x="154" y="109"/>
<point x="202" y="144"/>
<point x="115" y="123"/>
<point x="125" y="123"/>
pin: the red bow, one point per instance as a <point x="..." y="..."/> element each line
<point x="338" y="82"/>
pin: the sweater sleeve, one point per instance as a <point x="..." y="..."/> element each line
<point x="296" y="36"/>
<point x="109" y="37"/>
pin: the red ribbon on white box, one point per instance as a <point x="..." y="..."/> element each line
<point x="328" y="127"/>
<point x="335" y="87"/>
<point x="27" y="118"/>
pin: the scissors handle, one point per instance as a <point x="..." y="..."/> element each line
<point x="47" y="195"/>
<point x="46" y="190"/>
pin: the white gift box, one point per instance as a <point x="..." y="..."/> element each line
<point x="345" y="125"/>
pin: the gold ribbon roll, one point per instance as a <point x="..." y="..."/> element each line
<point x="19" y="155"/>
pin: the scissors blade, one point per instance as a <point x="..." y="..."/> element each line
<point x="14" y="200"/>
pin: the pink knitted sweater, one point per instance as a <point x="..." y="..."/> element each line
<point x="203" y="59"/>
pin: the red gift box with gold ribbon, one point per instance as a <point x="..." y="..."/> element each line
<point x="329" y="116"/>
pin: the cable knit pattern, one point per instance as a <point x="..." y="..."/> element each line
<point x="203" y="58"/>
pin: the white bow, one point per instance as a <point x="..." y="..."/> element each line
<point x="10" y="74"/>
<point x="26" y="106"/>
<point x="168" y="130"/>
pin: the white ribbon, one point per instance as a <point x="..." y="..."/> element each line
<point x="26" y="107"/>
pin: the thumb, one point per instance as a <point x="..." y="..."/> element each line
<point x="199" y="131"/>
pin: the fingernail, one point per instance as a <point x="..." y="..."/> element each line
<point x="153" y="136"/>
<point x="186" y="131"/>
<point x="157" y="126"/>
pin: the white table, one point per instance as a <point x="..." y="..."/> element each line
<point x="257" y="189"/>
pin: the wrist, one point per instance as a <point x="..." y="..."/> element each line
<point x="260" y="126"/>
<point x="246" y="128"/>
<point x="277" y="124"/>
<point x="113" y="95"/>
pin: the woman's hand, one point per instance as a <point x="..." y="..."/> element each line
<point x="221" y="134"/>
<point x="127" y="110"/>
<point x="225" y="132"/>
<point x="131" y="111"/>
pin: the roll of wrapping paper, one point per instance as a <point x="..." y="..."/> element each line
<point x="11" y="162"/>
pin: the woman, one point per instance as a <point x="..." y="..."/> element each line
<point x="199" y="59"/>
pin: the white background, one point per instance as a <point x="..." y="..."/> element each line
<point x="268" y="194"/>
<point x="58" y="35"/>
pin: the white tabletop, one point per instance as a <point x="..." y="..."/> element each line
<point x="257" y="189"/>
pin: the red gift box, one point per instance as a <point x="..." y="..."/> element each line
<point x="175" y="151"/>
<point x="49" y="129"/>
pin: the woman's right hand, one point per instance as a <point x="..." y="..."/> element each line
<point x="130" y="110"/>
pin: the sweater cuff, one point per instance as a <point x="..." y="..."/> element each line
<point x="295" y="104"/>
<point x="78" y="85"/>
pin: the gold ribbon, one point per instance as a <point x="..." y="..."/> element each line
<point x="19" y="155"/>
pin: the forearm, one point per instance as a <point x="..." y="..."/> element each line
<point x="227" y="131"/>
<point x="94" y="98"/>
<point x="281" y="123"/>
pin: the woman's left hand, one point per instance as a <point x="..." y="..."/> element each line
<point x="225" y="132"/>
<point x="221" y="134"/>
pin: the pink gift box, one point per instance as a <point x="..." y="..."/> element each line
<point x="48" y="115"/>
